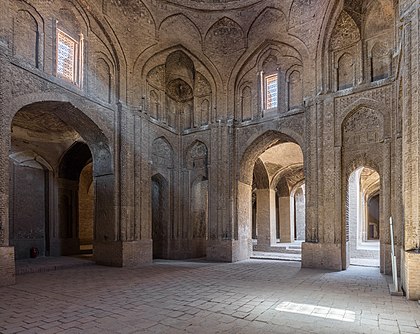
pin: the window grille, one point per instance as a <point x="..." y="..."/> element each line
<point x="66" y="56"/>
<point x="271" y="91"/>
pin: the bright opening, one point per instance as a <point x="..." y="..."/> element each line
<point x="318" y="311"/>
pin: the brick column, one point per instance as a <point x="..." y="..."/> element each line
<point x="266" y="219"/>
<point x="7" y="253"/>
<point x="410" y="264"/>
<point x="284" y="216"/>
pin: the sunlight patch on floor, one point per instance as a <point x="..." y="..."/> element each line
<point x="317" y="311"/>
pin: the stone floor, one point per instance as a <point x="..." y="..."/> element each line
<point x="255" y="296"/>
<point x="365" y="262"/>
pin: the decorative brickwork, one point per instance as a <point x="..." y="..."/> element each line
<point x="170" y="99"/>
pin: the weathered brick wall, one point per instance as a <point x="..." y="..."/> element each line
<point x="409" y="104"/>
<point x="7" y="262"/>
<point x="27" y="210"/>
<point x="410" y="275"/>
<point x="159" y="70"/>
<point x="86" y="206"/>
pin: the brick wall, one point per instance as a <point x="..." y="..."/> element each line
<point x="411" y="275"/>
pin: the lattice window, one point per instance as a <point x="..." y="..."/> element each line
<point x="271" y="91"/>
<point x="66" y="56"/>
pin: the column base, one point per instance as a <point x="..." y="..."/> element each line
<point x="123" y="253"/>
<point x="385" y="257"/>
<point x="7" y="265"/>
<point x="321" y="256"/>
<point x="411" y="274"/>
<point x="180" y="249"/>
<point x="229" y="250"/>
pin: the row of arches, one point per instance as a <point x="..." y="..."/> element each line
<point x="60" y="205"/>
<point x="278" y="215"/>
<point x="359" y="50"/>
<point x="273" y="168"/>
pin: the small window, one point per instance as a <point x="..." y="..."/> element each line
<point x="67" y="52"/>
<point x="271" y="90"/>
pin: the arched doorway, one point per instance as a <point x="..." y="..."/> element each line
<point x="363" y="217"/>
<point x="163" y="229"/>
<point x="76" y="200"/>
<point x="160" y="217"/>
<point x="276" y="163"/>
<point x="196" y="214"/>
<point x="55" y="152"/>
<point x="297" y="208"/>
<point x="280" y="209"/>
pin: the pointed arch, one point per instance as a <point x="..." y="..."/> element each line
<point x="269" y="21"/>
<point x="225" y="36"/>
<point x="183" y="25"/>
<point x="378" y="107"/>
<point x="73" y="161"/>
<point x="196" y="156"/>
<point x="162" y="153"/>
<point x="258" y="144"/>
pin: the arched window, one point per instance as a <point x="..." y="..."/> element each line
<point x="271" y="91"/>
<point x="269" y="77"/>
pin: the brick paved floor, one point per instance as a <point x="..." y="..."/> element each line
<point x="256" y="296"/>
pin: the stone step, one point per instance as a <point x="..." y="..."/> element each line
<point x="276" y="256"/>
<point x="285" y="250"/>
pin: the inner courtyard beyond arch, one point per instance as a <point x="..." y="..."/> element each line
<point x="141" y="132"/>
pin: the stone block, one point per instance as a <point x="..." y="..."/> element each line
<point x="319" y="255"/>
<point x="229" y="250"/>
<point x="123" y="254"/>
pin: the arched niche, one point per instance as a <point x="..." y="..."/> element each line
<point x="101" y="77"/>
<point x="178" y="95"/>
<point x="162" y="199"/>
<point x="379" y="38"/>
<point x="197" y="213"/>
<point x="345" y="51"/>
<point x="161" y="232"/>
<point x="162" y="155"/>
<point x="26" y="37"/>
<point x="364" y="126"/>
<point x="295" y="88"/>
<point x="246" y="104"/>
<point x="345" y="72"/>
<point x="271" y="61"/>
